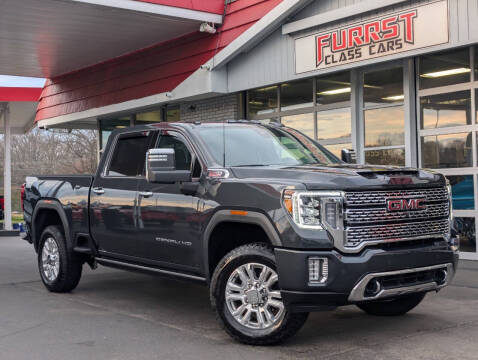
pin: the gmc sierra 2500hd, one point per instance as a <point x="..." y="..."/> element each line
<point x="271" y="221"/>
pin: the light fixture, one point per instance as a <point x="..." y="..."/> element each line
<point x="394" y="97"/>
<point x="267" y="88"/>
<point x="335" y="91"/>
<point x="448" y="72"/>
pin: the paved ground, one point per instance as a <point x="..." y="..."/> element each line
<point x="120" y="315"/>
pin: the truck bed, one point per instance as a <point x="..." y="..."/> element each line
<point x="71" y="192"/>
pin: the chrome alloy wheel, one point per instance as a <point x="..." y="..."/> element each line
<point x="253" y="297"/>
<point x="50" y="259"/>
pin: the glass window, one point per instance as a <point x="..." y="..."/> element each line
<point x="384" y="126"/>
<point x="108" y="125"/>
<point x="332" y="89"/>
<point x="447" y="151"/>
<point x="336" y="149"/>
<point x="450" y="109"/>
<point x="333" y="124"/>
<point x="129" y="155"/>
<point x="444" y="68"/>
<point x="181" y="152"/>
<point x="383" y="87"/>
<point x="302" y="122"/>
<point x="463" y="196"/>
<point x="149" y="117"/>
<point x="296" y="95"/>
<point x="172" y="114"/>
<point x="252" y="145"/>
<point x="262" y="101"/>
<point x="385" y="157"/>
<point x="465" y="227"/>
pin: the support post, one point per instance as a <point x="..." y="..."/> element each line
<point x="7" y="171"/>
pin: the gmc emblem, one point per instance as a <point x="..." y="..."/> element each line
<point x="405" y="204"/>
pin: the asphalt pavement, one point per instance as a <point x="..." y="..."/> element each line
<point x="120" y="315"/>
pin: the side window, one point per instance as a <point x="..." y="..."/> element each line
<point x="183" y="156"/>
<point x="129" y="155"/>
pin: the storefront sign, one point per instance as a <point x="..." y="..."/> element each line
<point x="410" y="29"/>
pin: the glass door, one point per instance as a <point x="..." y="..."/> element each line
<point x="447" y="128"/>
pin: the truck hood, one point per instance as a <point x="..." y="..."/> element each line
<point x="343" y="176"/>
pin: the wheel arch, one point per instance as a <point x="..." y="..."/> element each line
<point x="244" y="217"/>
<point x="48" y="212"/>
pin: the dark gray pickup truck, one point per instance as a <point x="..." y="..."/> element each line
<point x="272" y="222"/>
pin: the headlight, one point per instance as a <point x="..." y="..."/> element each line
<point x="314" y="209"/>
<point x="448" y="188"/>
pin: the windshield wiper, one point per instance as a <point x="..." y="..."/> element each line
<point x="251" y="165"/>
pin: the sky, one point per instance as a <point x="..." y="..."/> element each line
<point x="19" y="81"/>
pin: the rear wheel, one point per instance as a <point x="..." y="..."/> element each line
<point x="392" y="307"/>
<point x="60" y="268"/>
<point x="246" y="297"/>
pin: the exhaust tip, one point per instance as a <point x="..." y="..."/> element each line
<point x="441" y="276"/>
<point x="373" y="288"/>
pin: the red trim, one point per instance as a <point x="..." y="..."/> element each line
<point x="149" y="71"/>
<point x="211" y="6"/>
<point x="20" y="94"/>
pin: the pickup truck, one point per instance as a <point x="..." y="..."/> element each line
<point x="274" y="224"/>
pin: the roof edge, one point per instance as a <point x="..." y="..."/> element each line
<point x="261" y="29"/>
<point x="158" y="9"/>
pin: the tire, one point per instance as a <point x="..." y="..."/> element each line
<point x="393" y="307"/>
<point x="267" y="323"/>
<point x="58" y="276"/>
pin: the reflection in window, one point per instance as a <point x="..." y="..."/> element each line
<point x="447" y="151"/>
<point x="383" y="87"/>
<point x="302" y="122"/>
<point x="296" y="95"/>
<point x="465" y="228"/>
<point x="262" y="101"/>
<point x="333" y="124"/>
<point x="463" y="197"/>
<point x="332" y="89"/>
<point x="336" y="149"/>
<point x="444" y="68"/>
<point x="450" y="109"/>
<point x="385" y="157"/>
<point x="384" y="126"/>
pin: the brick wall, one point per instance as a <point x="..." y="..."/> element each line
<point x="215" y="109"/>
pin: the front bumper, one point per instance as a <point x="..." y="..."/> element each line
<point x="349" y="274"/>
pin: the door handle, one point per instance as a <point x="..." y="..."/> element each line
<point x="98" y="190"/>
<point x="145" y="194"/>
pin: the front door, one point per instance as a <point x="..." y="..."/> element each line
<point x="168" y="219"/>
<point x="114" y="195"/>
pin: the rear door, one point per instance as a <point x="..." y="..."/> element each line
<point x="113" y="198"/>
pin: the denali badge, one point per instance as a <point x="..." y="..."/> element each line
<point x="405" y="204"/>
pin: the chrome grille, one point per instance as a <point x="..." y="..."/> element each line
<point x="367" y="220"/>
<point x="401" y="231"/>
<point x="372" y="215"/>
<point x="380" y="197"/>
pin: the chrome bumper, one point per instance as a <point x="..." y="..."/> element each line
<point x="358" y="293"/>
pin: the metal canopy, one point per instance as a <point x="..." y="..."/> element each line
<point x="52" y="37"/>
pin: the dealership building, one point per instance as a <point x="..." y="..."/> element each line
<point x="395" y="80"/>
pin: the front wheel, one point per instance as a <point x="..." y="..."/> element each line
<point x="392" y="307"/>
<point x="246" y="297"/>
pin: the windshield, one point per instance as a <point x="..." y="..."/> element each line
<point x="254" y="145"/>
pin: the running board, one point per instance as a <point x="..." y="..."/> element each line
<point x="148" y="270"/>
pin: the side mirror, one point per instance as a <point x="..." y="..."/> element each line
<point x="161" y="167"/>
<point x="349" y="156"/>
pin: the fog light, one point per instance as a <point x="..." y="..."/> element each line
<point x="318" y="270"/>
